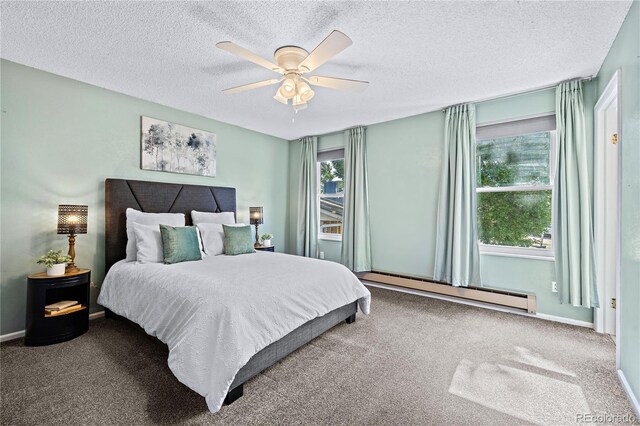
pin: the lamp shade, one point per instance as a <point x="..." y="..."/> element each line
<point x="289" y="87"/>
<point x="255" y="215"/>
<point x="305" y="92"/>
<point x="308" y="95"/>
<point x="278" y="97"/>
<point x="72" y="219"/>
<point x="285" y="93"/>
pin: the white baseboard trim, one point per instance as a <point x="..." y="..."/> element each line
<point x="627" y="388"/>
<point x="19" y="334"/>
<point x="11" y="336"/>
<point x="95" y="315"/>
<point x="564" y="320"/>
<point x="482" y="305"/>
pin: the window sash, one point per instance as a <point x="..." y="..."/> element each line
<point x="331" y="237"/>
<point x="323" y="156"/>
<point x="552" y="170"/>
<point x="516" y="188"/>
<point x="516" y="128"/>
<point x="514" y="251"/>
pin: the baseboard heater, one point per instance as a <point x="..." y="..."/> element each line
<point x="522" y="301"/>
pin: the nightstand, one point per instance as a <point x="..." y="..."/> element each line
<point x="266" y="248"/>
<point x="42" y="290"/>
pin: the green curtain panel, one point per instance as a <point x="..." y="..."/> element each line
<point x="457" y="255"/>
<point x="307" y="232"/>
<point x="356" y="234"/>
<point x="572" y="224"/>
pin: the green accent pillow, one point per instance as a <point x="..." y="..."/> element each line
<point x="237" y="240"/>
<point x="180" y="243"/>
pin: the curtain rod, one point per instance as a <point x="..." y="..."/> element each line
<point x="522" y="92"/>
<point x="334" y="132"/>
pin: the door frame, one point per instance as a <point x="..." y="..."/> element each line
<point x="611" y="93"/>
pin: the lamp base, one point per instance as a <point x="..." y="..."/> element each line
<point x="257" y="243"/>
<point x="71" y="266"/>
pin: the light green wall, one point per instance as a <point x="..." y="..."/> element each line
<point x="625" y="56"/>
<point x="61" y="138"/>
<point x="404" y="158"/>
<point x="331" y="141"/>
<point x="527" y="104"/>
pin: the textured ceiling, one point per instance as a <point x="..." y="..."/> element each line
<point x="418" y="56"/>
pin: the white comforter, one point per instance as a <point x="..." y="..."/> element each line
<point x="215" y="314"/>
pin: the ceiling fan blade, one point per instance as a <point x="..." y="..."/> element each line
<point x="338" y="83"/>
<point x="335" y="43"/>
<point x="251" y="86"/>
<point x="248" y="55"/>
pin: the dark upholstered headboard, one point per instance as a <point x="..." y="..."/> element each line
<point x="155" y="197"/>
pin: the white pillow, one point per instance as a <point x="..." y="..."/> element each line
<point x="224" y="218"/>
<point x="213" y="237"/>
<point x="148" y="243"/>
<point x="136" y="216"/>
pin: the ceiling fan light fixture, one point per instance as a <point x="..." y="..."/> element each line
<point x="282" y="91"/>
<point x="278" y="97"/>
<point x="305" y="92"/>
<point x="310" y="95"/>
<point x="302" y="88"/>
<point x="289" y="85"/>
<point x="297" y="101"/>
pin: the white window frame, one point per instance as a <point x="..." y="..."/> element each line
<point x="339" y="155"/>
<point x="523" y="252"/>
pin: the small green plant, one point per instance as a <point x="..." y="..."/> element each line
<point x="53" y="257"/>
<point x="266" y="236"/>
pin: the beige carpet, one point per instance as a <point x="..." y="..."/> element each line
<point x="414" y="360"/>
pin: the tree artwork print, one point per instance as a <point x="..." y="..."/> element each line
<point x="169" y="147"/>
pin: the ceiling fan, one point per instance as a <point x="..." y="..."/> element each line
<point x="292" y="63"/>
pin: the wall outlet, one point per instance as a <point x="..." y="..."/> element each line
<point x="554" y="287"/>
<point x="321" y="255"/>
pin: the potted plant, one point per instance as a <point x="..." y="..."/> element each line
<point x="266" y="239"/>
<point x="55" y="262"/>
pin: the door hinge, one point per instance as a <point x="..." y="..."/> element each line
<point x="614" y="138"/>
<point x="613" y="303"/>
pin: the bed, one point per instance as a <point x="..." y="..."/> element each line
<point x="223" y="318"/>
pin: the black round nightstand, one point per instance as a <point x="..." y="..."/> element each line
<point x="266" y="248"/>
<point x="42" y="290"/>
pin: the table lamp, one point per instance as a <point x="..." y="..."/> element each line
<point x="72" y="220"/>
<point x="256" y="218"/>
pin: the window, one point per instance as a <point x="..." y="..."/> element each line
<point x="515" y="167"/>
<point x="330" y="194"/>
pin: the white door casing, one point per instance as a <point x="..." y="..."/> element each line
<point x="607" y="119"/>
